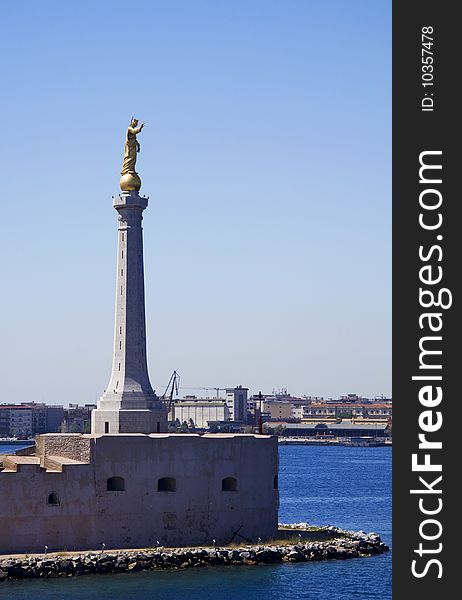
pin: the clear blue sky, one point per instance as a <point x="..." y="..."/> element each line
<point x="266" y="157"/>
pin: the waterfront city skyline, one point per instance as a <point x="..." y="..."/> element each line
<point x="267" y="238"/>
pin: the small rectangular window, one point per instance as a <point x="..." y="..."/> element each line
<point x="121" y="290"/>
<point x="122" y="253"/>
<point x="123" y="237"/>
<point x="106" y="427"/>
<point x="121" y="272"/>
<point x="119" y="366"/>
<point x="120" y="345"/>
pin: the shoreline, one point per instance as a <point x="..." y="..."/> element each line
<point x="295" y="543"/>
<point x="345" y="442"/>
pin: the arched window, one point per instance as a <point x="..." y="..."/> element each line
<point x="229" y="484"/>
<point x="166" y="484"/>
<point x="53" y="499"/>
<point x="275" y="482"/>
<point x="115" y="484"/>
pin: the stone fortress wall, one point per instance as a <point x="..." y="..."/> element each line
<point x="135" y="490"/>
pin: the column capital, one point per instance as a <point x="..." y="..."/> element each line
<point x="130" y="200"/>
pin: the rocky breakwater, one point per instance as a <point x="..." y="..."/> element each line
<point x="341" y="545"/>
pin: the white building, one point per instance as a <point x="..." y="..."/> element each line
<point x="319" y="410"/>
<point x="200" y="411"/>
<point x="296" y="411"/>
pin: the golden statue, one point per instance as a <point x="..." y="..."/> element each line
<point x="130" y="180"/>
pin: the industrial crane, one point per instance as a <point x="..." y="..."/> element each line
<point x="170" y="390"/>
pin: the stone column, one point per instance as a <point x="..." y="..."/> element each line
<point x="129" y="404"/>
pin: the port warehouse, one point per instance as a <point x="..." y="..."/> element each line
<point x="343" y="429"/>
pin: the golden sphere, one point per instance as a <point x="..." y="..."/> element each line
<point x="130" y="182"/>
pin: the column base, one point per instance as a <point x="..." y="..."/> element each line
<point x="129" y="421"/>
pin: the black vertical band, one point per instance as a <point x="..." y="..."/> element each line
<point x="426" y="291"/>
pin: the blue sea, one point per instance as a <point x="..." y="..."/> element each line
<point x="348" y="487"/>
<point x="6" y="448"/>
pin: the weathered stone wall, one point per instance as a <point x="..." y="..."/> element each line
<point x="68" y="445"/>
<point x="29" y="522"/>
<point x="88" y="514"/>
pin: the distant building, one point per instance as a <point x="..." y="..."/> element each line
<point x="369" y="410"/>
<point x="277" y="410"/>
<point x="29" y="418"/>
<point x="236" y="400"/>
<point x="253" y="404"/>
<point x="283" y="406"/>
<point x="344" y="428"/>
<point x="200" y="411"/>
<point x="351" y="398"/>
<point x="296" y="411"/>
<point x="77" y="419"/>
<point x="39" y="417"/>
<point x="310" y="399"/>
<point x="319" y="410"/>
<point x="20" y="421"/>
<point x="377" y="409"/>
<point x="4" y="422"/>
<point x="278" y="405"/>
<point x="55" y="416"/>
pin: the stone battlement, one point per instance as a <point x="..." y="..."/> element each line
<point x="75" y="446"/>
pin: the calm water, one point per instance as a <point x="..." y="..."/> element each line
<point x="349" y="487"/>
<point x="6" y="448"/>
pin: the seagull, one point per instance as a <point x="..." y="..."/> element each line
<point x="46" y="549"/>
